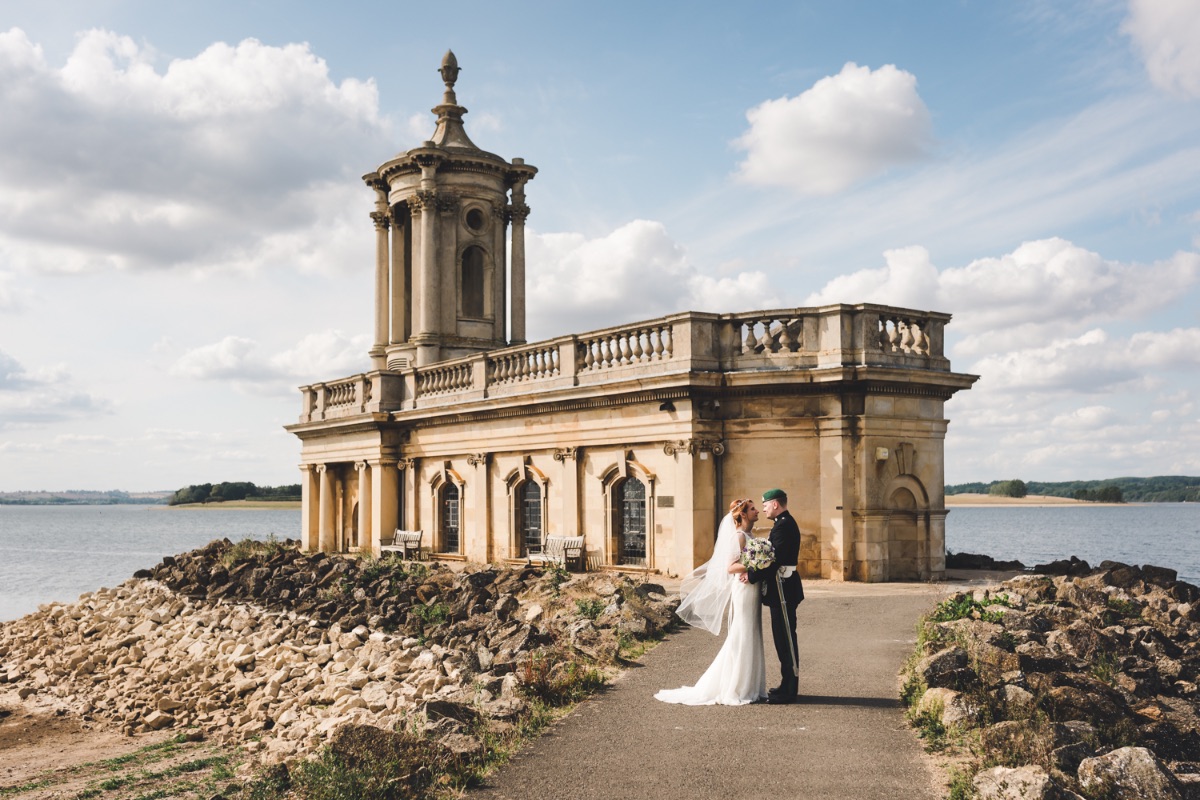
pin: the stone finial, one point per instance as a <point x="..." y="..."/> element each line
<point x="449" y="71"/>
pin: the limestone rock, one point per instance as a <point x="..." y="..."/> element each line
<point x="1021" y="783"/>
<point x="1129" y="772"/>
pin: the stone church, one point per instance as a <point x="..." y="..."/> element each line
<point x="635" y="437"/>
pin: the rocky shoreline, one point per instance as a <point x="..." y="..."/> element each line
<point x="262" y="646"/>
<point x="1076" y="683"/>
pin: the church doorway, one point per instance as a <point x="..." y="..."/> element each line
<point x="631" y="519"/>
<point x="903" y="537"/>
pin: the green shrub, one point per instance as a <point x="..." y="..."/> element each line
<point x="590" y="609"/>
<point x="558" y="677"/>
<point x="431" y="615"/>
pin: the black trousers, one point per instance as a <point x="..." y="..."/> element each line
<point x="785" y="651"/>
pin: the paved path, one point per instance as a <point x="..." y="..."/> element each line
<point x="847" y="738"/>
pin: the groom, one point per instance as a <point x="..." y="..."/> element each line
<point x="785" y="538"/>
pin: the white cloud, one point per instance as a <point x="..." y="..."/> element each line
<point x="636" y="272"/>
<point x="325" y="355"/>
<point x="42" y="396"/>
<point x="1088" y="418"/>
<point x="845" y="129"/>
<point x="1167" y="34"/>
<point x="318" y="356"/>
<point x="11" y="298"/>
<point x="245" y="156"/>
<point x="231" y="358"/>
<point x="1043" y="288"/>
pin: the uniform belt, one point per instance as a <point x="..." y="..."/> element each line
<point x="786" y="572"/>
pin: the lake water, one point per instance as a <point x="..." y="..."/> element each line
<point x="1163" y="534"/>
<point x="56" y="553"/>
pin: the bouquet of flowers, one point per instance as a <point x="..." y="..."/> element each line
<point x="757" y="554"/>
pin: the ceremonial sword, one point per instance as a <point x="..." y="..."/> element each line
<point x="787" y="626"/>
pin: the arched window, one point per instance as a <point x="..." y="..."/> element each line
<point x="630" y="510"/>
<point x="451" y="507"/>
<point x="472" y="282"/>
<point x="530" y="504"/>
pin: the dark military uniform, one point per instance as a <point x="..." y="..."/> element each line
<point x="785" y="538"/>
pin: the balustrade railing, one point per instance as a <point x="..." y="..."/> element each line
<point x="447" y="379"/>
<point x="527" y="364"/>
<point x="899" y="333"/>
<point x="639" y="345"/>
<point x="799" y="338"/>
<point x="767" y="334"/>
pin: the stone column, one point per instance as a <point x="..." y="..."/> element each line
<point x="518" y="213"/>
<point x="408" y="485"/>
<point x="569" y="481"/>
<point x="384" y="485"/>
<point x="309" y="508"/>
<point x="424" y="211"/>
<point x="368" y="537"/>
<point x="475" y="535"/>
<point x="400" y="310"/>
<point x="327" y="514"/>
<point x="380" y="217"/>
<point x="500" y="273"/>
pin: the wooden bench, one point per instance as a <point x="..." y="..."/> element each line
<point x="407" y="543"/>
<point x="563" y="551"/>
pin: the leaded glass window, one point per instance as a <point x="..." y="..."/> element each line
<point x="531" y="517"/>
<point x="631" y="511"/>
<point x="450" y="517"/>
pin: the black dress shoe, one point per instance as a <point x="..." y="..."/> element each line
<point x="780" y="699"/>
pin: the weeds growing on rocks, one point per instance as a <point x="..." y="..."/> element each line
<point x="1050" y="681"/>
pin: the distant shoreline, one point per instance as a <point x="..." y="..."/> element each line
<point x="1033" y="500"/>
<point x="240" y="504"/>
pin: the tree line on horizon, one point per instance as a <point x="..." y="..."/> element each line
<point x="232" y="490"/>
<point x="78" y="497"/>
<point x="1160" y="489"/>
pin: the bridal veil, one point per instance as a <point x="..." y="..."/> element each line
<point x="706" y="591"/>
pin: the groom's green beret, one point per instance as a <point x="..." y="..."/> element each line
<point x="775" y="494"/>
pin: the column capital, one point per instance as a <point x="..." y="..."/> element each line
<point x="422" y="200"/>
<point x="566" y="453"/>
<point x="694" y="446"/>
<point x="518" y="213"/>
<point x="406" y="463"/>
<point x="381" y="463"/>
<point x="321" y="468"/>
<point x="359" y="466"/>
<point x="381" y="219"/>
<point x="475" y="459"/>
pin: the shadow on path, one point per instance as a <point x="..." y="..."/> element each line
<point x="845" y="738"/>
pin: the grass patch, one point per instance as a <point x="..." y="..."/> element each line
<point x="557" y="677"/>
<point x="431" y="615"/>
<point x="591" y="609"/>
<point x="252" y="548"/>
<point x="966" y="607"/>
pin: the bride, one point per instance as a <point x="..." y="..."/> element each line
<point x="710" y="593"/>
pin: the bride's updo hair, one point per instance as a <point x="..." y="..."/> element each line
<point x="738" y="510"/>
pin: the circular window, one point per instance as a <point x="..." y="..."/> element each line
<point x="475" y="219"/>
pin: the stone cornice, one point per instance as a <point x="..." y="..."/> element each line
<point x="421" y="418"/>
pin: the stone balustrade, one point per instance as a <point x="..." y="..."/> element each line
<point x="837" y="336"/>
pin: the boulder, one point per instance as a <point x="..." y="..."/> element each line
<point x="1020" y="783"/>
<point x="944" y="668"/>
<point x="953" y="708"/>
<point x="1128" y="772"/>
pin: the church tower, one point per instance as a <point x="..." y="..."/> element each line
<point x="443" y="284"/>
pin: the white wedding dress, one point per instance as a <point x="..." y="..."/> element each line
<point x="737" y="675"/>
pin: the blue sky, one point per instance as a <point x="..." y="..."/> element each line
<point x="184" y="235"/>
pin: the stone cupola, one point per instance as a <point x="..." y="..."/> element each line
<point x="443" y="284"/>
